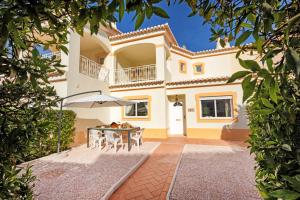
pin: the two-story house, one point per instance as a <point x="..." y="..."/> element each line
<point x="177" y="92"/>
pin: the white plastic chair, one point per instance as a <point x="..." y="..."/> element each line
<point x="95" y="138"/>
<point x="138" y="137"/>
<point x="111" y="139"/>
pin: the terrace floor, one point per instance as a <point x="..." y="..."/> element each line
<point x="178" y="168"/>
<point x="153" y="179"/>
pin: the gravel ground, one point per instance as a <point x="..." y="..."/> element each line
<point x="215" y="173"/>
<point x="83" y="173"/>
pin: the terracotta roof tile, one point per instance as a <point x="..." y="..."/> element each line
<point x="147" y="83"/>
<point x="204" y="52"/>
<point x="200" y="80"/>
<point x="174" y="45"/>
<point x="162" y="27"/>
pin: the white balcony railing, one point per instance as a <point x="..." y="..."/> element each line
<point x="51" y="54"/>
<point x="89" y="67"/>
<point x="135" y="74"/>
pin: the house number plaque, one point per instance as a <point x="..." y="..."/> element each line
<point x="191" y="110"/>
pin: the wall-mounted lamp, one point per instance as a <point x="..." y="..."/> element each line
<point x="177" y="103"/>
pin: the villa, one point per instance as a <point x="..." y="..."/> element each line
<point x="177" y="92"/>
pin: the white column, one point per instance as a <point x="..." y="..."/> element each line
<point x="73" y="62"/>
<point x="161" y="65"/>
<point x="111" y="65"/>
<point x="160" y="62"/>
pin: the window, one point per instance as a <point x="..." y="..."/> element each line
<point x="216" y="107"/>
<point x="199" y="68"/>
<point x="182" y="66"/>
<point x="139" y="109"/>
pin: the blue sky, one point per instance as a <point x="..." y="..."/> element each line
<point x="189" y="31"/>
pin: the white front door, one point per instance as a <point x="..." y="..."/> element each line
<point x="175" y="120"/>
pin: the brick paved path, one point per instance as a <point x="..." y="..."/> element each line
<point x="153" y="178"/>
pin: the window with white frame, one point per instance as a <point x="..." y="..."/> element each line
<point x="216" y="107"/>
<point x="139" y="109"/>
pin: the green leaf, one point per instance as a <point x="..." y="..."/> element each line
<point x="243" y="37"/>
<point x="267" y="7"/>
<point x="264" y="73"/>
<point x="267" y="103"/>
<point x="268" y="25"/>
<point x="193" y="13"/>
<point x="121" y="9"/>
<point x="35" y="52"/>
<point x="286" y="147"/>
<point x="33" y="81"/>
<point x="149" y="12"/>
<point x="256" y="28"/>
<point x="265" y="111"/>
<point x="259" y="43"/>
<point x="160" y="12"/>
<point x="64" y="49"/>
<point x="285" y="194"/>
<point x="249" y="64"/>
<point x="293" y="60"/>
<point x="294" y="181"/>
<point x="251" y="18"/>
<point x="248" y="87"/>
<point x="273" y="89"/>
<point x="139" y="20"/>
<point x="291" y="23"/>
<point x="246" y="25"/>
<point x="269" y="64"/>
<point x="238" y="75"/>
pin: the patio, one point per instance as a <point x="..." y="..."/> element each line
<point x="157" y="177"/>
<point x="86" y="173"/>
<point x="214" y="172"/>
<point x="174" y="168"/>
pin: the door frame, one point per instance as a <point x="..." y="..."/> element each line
<point x="182" y="99"/>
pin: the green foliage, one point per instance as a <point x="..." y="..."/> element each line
<point x="17" y="148"/>
<point x="275" y="140"/>
<point x="271" y="84"/>
<point x="45" y="143"/>
<point x="15" y="185"/>
<point x="24" y="87"/>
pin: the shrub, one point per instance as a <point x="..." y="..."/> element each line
<point x="41" y="141"/>
<point x="275" y="140"/>
<point x="45" y="143"/>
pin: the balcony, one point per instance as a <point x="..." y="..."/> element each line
<point x="135" y="74"/>
<point x="92" y="69"/>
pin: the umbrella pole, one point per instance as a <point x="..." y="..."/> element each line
<point x="59" y="126"/>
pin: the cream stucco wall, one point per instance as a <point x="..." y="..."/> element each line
<point x="161" y="55"/>
<point x="60" y="88"/>
<point x="158" y="111"/>
<point x="214" y="66"/>
<point x="191" y="117"/>
<point x="167" y="69"/>
<point x="76" y="82"/>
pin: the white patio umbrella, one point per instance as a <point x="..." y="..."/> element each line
<point x="93" y="101"/>
<point x="98" y="100"/>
